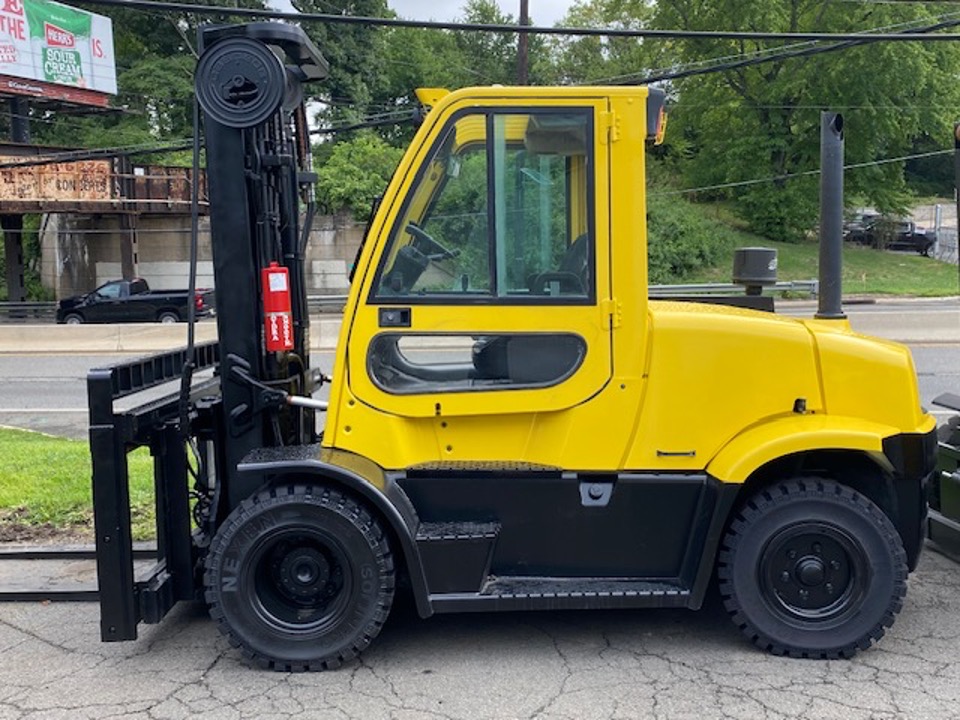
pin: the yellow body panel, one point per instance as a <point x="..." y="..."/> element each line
<point x="664" y="386"/>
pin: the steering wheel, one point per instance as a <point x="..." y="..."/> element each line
<point x="428" y="246"/>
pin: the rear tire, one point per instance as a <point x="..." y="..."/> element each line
<point x="168" y="318"/>
<point x="811" y="568"/>
<point x="300" y="578"/>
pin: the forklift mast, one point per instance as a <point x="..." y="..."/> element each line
<point x="249" y="86"/>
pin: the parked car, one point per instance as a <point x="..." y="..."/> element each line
<point x="133" y="301"/>
<point x="890" y="234"/>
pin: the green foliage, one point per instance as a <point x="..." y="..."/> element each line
<point x="580" y="60"/>
<point x="356" y="56"/>
<point x="355" y="173"/>
<point x="763" y="121"/>
<point x="45" y="479"/>
<point x="682" y="239"/>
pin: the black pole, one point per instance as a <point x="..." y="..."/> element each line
<point x="522" y="43"/>
<point x="956" y="192"/>
<point x="831" y="216"/>
<point x="12" y="225"/>
<point x="19" y="120"/>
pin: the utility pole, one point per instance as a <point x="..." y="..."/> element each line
<point x="522" y="40"/>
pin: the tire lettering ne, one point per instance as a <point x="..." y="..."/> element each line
<point x="228" y="581"/>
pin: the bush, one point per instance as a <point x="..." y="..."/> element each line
<point x="682" y="239"/>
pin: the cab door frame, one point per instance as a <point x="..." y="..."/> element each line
<point x="429" y="317"/>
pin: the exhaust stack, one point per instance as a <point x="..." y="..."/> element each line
<point x="831" y="216"/>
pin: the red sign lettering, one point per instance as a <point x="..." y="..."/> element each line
<point x="97" y="48"/>
<point x="14" y="27"/>
<point x="58" y="37"/>
<point x="13" y="6"/>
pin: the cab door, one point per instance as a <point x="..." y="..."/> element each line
<point x="485" y="298"/>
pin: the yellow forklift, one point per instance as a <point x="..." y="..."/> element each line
<point x="513" y="424"/>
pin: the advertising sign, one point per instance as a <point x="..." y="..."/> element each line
<point x="88" y="180"/>
<point x="55" y="51"/>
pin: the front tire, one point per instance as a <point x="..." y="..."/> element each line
<point x="300" y="578"/>
<point x="811" y="568"/>
<point x="73" y="319"/>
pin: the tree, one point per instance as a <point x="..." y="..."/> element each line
<point x="762" y="122"/>
<point x="356" y="57"/>
<point x="595" y="59"/>
<point x="355" y="173"/>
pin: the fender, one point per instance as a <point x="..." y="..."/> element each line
<point x="779" y="437"/>
<point x="362" y="477"/>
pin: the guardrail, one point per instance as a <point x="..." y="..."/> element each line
<point x="810" y="287"/>
<point x="27" y="311"/>
<point x="33" y="311"/>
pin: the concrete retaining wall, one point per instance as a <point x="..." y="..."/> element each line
<point x="81" y="252"/>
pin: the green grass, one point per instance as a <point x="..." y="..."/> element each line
<point x="865" y="270"/>
<point x="45" y="481"/>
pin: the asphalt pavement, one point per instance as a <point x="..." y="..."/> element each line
<point x="663" y="664"/>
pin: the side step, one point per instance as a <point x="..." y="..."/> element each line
<point x="536" y="593"/>
<point x="456" y="555"/>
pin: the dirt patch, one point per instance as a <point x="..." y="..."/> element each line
<point x="15" y="527"/>
<point x="44" y="534"/>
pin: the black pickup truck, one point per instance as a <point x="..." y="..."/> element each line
<point x="891" y="234"/>
<point x="133" y="301"/>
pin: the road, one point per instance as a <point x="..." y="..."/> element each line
<point x="565" y="665"/>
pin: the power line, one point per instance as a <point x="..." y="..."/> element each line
<point x="500" y="28"/>
<point x="928" y="31"/>
<point x="792" y="176"/>
<point x="764" y="55"/>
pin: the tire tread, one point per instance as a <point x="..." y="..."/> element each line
<point x="805" y="488"/>
<point x="364" y="522"/>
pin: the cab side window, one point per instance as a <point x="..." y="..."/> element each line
<point x="499" y="213"/>
<point x="110" y="291"/>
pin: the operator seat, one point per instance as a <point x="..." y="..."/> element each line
<point x="572" y="277"/>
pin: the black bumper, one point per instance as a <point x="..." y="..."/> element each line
<point x="914" y="459"/>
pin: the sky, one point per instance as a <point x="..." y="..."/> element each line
<point x="543" y="12"/>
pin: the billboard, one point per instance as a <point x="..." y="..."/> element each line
<point x="54" y="51"/>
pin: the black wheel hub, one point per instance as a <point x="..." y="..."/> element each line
<point x="304" y="573"/>
<point x="300" y="582"/>
<point x="812" y="571"/>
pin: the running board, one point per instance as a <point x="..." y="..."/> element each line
<point x="533" y="593"/>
